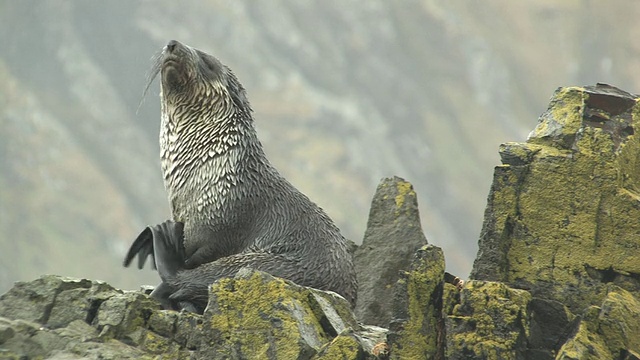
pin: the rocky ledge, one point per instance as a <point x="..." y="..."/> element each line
<point x="557" y="274"/>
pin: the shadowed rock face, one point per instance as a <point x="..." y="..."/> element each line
<point x="393" y="235"/>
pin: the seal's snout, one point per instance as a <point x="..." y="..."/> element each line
<point x="172" y="45"/>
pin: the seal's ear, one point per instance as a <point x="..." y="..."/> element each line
<point x="143" y="247"/>
<point x="236" y="91"/>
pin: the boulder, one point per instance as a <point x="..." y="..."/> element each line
<point x="253" y="315"/>
<point x="392" y="237"/>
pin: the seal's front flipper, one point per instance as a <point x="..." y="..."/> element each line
<point x="143" y="247"/>
<point x="169" y="235"/>
<point x="168" y="248"/>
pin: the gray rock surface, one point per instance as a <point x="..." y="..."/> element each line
<point x="392" y="237"/>
<point x="253" y="315"/>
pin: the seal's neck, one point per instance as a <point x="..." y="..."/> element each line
<point x="205" y="160"/>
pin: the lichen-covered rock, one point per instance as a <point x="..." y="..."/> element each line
<point x="255" y="315"/>
<point x="562" y="215"/>
<point x="490" y="322"/>
<point x="610" y="331"/>
<point x="417" y="328"/>
<point x="39" y="300"/>
<point x="392" y="237"/>
<point x="59" y="317"/>
<point x="345" y="346"/>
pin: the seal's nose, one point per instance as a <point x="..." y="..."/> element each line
<point x="172" y="45"/>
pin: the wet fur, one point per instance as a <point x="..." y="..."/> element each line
<point x="238" y="211"/>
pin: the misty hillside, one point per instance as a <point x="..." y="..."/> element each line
<point x="344" y="93"/>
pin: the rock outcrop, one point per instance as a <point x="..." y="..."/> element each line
<point x="561" y="236"/>
<point x="417" y="329"/>
<point x="557" y="275"/>
<point x="251" y="316"/>
<point x="392" y="237"/>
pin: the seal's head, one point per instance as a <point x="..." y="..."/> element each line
<point x="194" y="80"/>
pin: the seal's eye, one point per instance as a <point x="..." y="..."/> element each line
<point x="210" y="64"/>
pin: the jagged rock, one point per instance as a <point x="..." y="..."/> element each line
<point x="253" y="315"/>
<point x="59" y="317"/>
<point x="610" y="331"/>
<point x="417" y="328"/>
<point x="550" y="324"/>
<point x="562" y="213"/>
<point x="392" y="237"/>
<point x="561" y="223"/>
<point x="39" y="301"/>
<point x="490" y="322"/>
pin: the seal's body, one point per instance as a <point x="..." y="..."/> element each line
<point x="237" y="210"/>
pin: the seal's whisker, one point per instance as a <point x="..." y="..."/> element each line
<point x="151" y="75"/>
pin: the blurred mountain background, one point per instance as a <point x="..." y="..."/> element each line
<point x="344" y="93"/>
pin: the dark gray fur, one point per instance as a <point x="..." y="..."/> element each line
<point x="237" y="210"/>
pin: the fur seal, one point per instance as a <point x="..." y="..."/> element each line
<point x="230" y="207"/>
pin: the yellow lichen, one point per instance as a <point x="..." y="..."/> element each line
<point x="569" y="107"/>
<point x="566" y="209"/>
<point x="489" y="305"/>
<point x="342" y="347"/>
<point x="156" y="344"/>
<point x="417" y="340"/>
<point x="255" y="317"/>
<point x="585" y="344"/>
<point x="404" y="189"/>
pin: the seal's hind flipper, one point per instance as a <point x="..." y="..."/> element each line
<point x="168" y="248"/>
<point x="143" y="247"/>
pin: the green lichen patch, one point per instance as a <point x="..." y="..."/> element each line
<point x="450" y="298"/>
<point x="342" y="347"/>
<point x="513" y="153"/>
<point x="154" y="344"/>
<point x="606" y="331"/>
<point x="418" y="323"/>
<point x="188" y="327"/>
<point x="584" y="345"/>
<point x="489" y="323"/>
<point x="260" y="316"/>
<point x="618" y="321"/>
<point x="560" y="123"/>
<point x="561" y="215"/>
<point x="404" y="189"/>
<point x="163" y="322"/>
